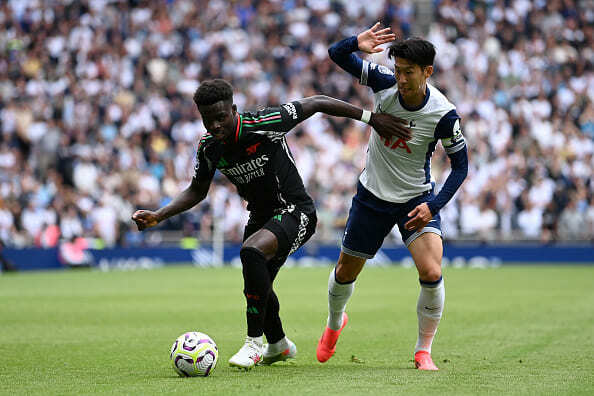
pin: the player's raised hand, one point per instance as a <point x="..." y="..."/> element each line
<point x="421" y="215"/>
<point x="371" y="38"/>
<point x="389" y="126"/>
<point x="145" y="219"/>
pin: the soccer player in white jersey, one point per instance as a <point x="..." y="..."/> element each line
<point x="395" y="187"/>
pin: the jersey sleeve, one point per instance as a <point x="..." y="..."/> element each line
<point x="449" y="131"/>
<point x="205" y="167"/>
<point x="375" y="76"/>
<point x="273" y="122"/>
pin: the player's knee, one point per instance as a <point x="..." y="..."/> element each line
<point x="250" y="255"/>
<point x="251" y="247"/>
<point x="430" y="273"/>
<point x="345" y="274"/>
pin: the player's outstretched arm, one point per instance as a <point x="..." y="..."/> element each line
<point x="187" y="199"/>
<point x="385" y="125"/>
<point x="342" y="53"/>
<point x="366" y="41"/>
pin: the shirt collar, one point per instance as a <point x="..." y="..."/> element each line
<point x="419" y="107"/>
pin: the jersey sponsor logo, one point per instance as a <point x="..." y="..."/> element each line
<point x="398" y="143"/>
<point x="412" y="124"/>
<point x="290" y="108"/>
<point x="252" y="149"/>
<point x="247" y="171"/>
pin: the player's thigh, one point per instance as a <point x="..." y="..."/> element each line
<point x="427" y="251"/>
<point x="370" y="220"/>
<point x="292" y="229"/>
<point x="263" y="240"/>
<point x="254" y="225"/>
<point x="255" y="236"/>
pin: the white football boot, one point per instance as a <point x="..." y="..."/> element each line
<point x="279" y="352"/>
<point x="249" y="355"/>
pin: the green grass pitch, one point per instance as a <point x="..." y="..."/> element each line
<point x="507" y="330"/>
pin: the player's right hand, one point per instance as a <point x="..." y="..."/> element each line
<point x="371" y="38"/>
<point x="145" y="219"/>
<point x="388" y="126"/>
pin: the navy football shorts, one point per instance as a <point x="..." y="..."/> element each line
<point x="371" y="219"/>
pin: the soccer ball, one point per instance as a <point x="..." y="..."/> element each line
<point x="194" y="354"/>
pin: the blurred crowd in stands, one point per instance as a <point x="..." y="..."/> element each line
<point x="97" y="118"/>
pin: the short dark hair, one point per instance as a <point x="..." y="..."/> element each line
<point x="212" y="91"/>
<point x="414" y="49"/>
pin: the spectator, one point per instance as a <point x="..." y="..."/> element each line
<point x="572" y="222"/>
<point x="95" y="99"/>
<point x="530" y="220"/>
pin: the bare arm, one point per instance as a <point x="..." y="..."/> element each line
<point x="187" y="199"/>
<point x="385" y="125"/>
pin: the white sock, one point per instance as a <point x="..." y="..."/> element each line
<point x="429" y="310"/>
<point x="278" y="346"/>
<point x="338" y="295"/>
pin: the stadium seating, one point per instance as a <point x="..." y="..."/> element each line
<point x="97" y="118"/>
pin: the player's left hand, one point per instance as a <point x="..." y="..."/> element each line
<point x="421" y="215"/>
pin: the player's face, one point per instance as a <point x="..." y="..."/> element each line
<point x="411" y="78"/>
<point x="219" y="119"/>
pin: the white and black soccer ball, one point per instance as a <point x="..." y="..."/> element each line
<point x="194" y="354"/>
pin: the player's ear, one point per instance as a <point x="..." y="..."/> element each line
<point x="428" y="71"/>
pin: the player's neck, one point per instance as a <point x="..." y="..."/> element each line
<point x="234" y="137"/>
<point x="416" y="100"/>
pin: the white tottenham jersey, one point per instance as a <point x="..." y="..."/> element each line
<point x="399" y="170"/>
